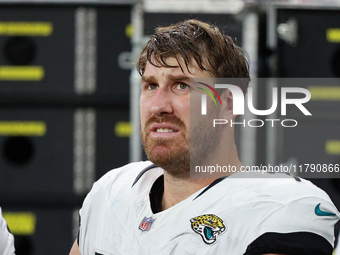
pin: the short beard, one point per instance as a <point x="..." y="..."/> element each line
<point x="204" y="140"/>
<point x="174" y="158"/>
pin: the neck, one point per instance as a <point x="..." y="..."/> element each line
<point x="178" y="188"/>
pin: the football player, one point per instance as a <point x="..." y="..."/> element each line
<point x="154" y="207"/>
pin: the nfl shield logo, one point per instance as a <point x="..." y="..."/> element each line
<point x="146" y="223"/>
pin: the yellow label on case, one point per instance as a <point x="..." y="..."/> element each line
<point x="129" y="31"/>
<point x="123" y="129"/>
<point x="26" y="28"/>
<point x="23" y="128"/>
<point x="21" y="223"/>
<point x="332" y="147"/>
<point x="324" y="93"/>
<point x="22" y="73"/>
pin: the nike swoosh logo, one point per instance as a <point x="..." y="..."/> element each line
<point x="319" y="212"/>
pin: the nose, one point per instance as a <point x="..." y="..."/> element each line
<point x="162" y="102"/>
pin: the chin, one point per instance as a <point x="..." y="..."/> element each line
<point x="159" y="154"/>
<point x="174" y="161"/>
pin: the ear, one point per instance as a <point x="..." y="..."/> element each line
<point x="227" y="105"/>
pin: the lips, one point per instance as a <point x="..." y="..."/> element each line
<point x="165" y="127"/>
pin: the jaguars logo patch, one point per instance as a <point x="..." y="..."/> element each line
<point x="208" y="226"/>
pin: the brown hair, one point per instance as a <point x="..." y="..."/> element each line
<point x="198" y="40"/>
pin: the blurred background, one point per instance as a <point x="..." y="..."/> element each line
<point x="69" y="96"/>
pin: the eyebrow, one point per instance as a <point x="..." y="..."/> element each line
<point x="169" y="76"/>
<point x="147" y="78"/>
<point x="178" y="77"/>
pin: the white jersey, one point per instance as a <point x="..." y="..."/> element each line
<point x="6" y="238"/>
<point x="232" y="216"/>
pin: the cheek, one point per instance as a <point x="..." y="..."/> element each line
<point x="144" y="111"/>
<point x="183" y="110"/>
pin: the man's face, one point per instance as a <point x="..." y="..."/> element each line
<point x="165" y="114"/>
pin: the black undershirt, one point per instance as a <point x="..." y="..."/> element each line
<point x="156" y="194"/>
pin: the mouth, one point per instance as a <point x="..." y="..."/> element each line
<point x="163" y="130"/>
<point x="209" y="234"/>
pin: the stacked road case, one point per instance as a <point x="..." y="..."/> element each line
<point x="64" y="113"/>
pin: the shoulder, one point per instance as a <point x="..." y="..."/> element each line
<point x="100" y="208"/>
<point x="300" y="195"/>
<point x="6" y="238"/>
<point x="279" y="187"/>
<point x="290" y="213"/>
<point x="116" y="180"/>
<point x="289" y="195"/>
<point x="127" y="172"/>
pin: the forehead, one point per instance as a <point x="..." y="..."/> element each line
<point x="175" y="72"/>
